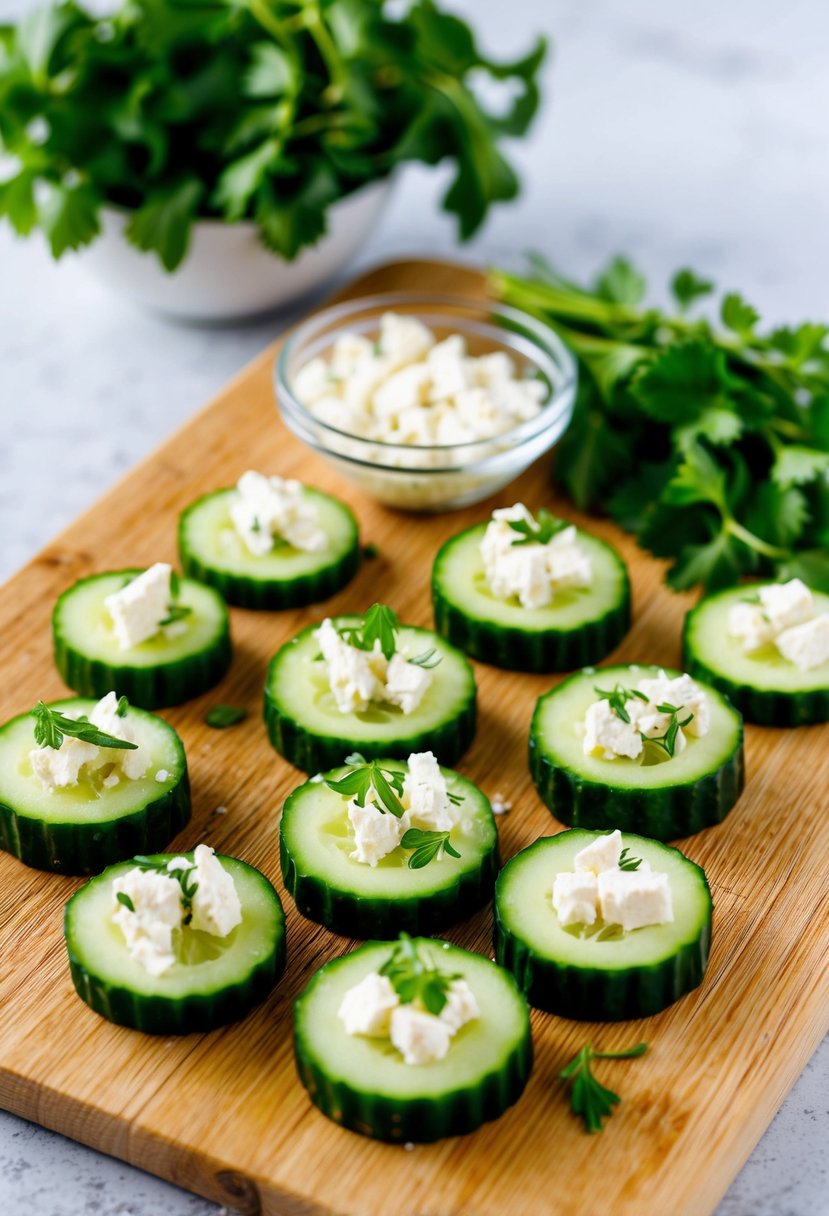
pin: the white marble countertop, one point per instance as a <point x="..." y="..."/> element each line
<point x="690" y="133"/>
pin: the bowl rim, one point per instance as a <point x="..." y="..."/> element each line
<point x="552" y="351"/>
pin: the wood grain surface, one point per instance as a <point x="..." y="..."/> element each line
<point x="223" y="1114"/>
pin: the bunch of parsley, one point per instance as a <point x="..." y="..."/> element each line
<point x="709" y="439"/>
<point x="269" y="110"/>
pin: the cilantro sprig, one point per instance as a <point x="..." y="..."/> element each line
<point x="415" y="978"/>
<point x="269" y="111"/>
<point x="538" y="530"/>
<point x="588" y="1097"/>
<point x="52" y="727"/>
<point x="704" y="434"/>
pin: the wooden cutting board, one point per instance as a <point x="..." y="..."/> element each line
<point x="223" y="1114"/>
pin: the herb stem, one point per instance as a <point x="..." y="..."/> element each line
<point x="774" y="552"/>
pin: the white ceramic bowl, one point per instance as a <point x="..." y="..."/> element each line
<point x="437" y="477"/>
<point x="227" y="272"/>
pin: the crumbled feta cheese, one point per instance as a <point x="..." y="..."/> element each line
<point x="461" y="1006"/>
<point x="162" y="775"/>
<point x="133" y="763"/>
<point x="376" y="833"/>
<point x="406" y="683"/>
<point x="407" y="389"/>
<point x="349" y="351"/>
<point x="685" y="694"/>
<point x="532" y="573"/>
<point x="366" y="1008"/>
<point x="269" y="508"/>
<point x="313" y="381"/>
<point x="574" y="897"/>
<point x="750" y="625"/>
<point x="148" y="930"/>
<point x="216" y="905"/>
<point x="602" y="854"/>
<point x="138" y="609"/>
<point x="806" y="645"/>
<point x="420" y="1037"/>
<point x="426" y="796"/>
<point x="403" y="339"/>
<point x="59" y="768"/>
<point x="787" y="604"/>
<point x="607" y="736"/>
<point x="356" y="677"/>
<point x="111" y="781"/>
<point x="634" y="900"/>
<point x="500" y="806"/>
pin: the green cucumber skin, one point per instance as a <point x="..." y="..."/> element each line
<point x="244" y="591"/>
<point x="358" y="916"/>
<point x="763" y="706"/>
<point x="589" y="994"/>
<point x="88" y="848"/>
<point x="147" y="687"/>
<point x="536" y="651"/>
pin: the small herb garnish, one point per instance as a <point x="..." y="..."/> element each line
<point x="629" y="862"/>
<point x="182" y="874"/>
<point x="427" y="846"/>
<point x="588" y="1097"/>
<point x="124" y="899"/>
<point x="429" y="659"/>
<point x="538" y="530"/>
<point x="220" y="717"/>
<point x="367" y="775"/>
<point x="175" y="611"/>
<point x="381" y="624"/>
<point x="51" y="727"/>
<point x="122" y="707"/>
<point x="413" y="978"/>
<point x="617" y="697"/>
<point x="667" y="742"/>
<point x="370" y="551"/>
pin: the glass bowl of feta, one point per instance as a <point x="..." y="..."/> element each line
<point x="426" y="403"/>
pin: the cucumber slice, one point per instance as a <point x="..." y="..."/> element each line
<point x="691" y="791"/>
<point x="216" y="980"/>
<point x="582" y="973"/>
<point x="172" y="667"/>
<point x="357" y="900"/>
<point x="764" y="686"/>
<point x="306" y="727"/>
<point x="365" y="1085"/>
<point x="581" y="626"/>
<point x="212" y="551"/>
<point x="81" y="829"/>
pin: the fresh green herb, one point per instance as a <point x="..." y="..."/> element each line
<point x="175" y="584"/>
<point x="122" y="707"/>
<point x="538" y="530"/>
<point x="667" y="741"/>
<point x="379" y="624"/>
<point x="370" y="552"/>
<point x="269" y="111"/>
<point x="429" y="659"/>
<point x="588" y="1097"/>
<point x="628" y="862"/>
<point x="183" y="876"/>
<point x="677" y="411"/>
<point x="51" y="727"/>
<point x="427" y="846"/>
<point x="414" y="978"/>
<point x="124" y="899"/>
<point x="617" y="697"/>
<point x="220" y="717"/>
<point x="175" y="612"/>
<point x="366" y="776"/>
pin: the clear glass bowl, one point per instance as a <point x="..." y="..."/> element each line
<point x="436" y="477"/>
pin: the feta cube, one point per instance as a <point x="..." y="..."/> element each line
<point x="461" y="1006"/>
<point x="356" y="677"/>
<point x="806" y="645"/>
<point x="156" y="912"/>
<point x="568" y="563"/>
<point x="406" y="683"/>
<point x="269" y="508"/>
<point x="366" y="1008"/>
<point x="138" y="609"/>
<point x="685" y="694"/>
<point x="787" y="604"/>
<point x="376" y="833"/>
<point x="403" y="339"/>
<point x="602" y="854"/>
<point x="634" y="900"/>
<point x="216" y="905"/>
<point x="425" y="794"/>
<point x="420" y="1037"/>
<point x="750" y="625"/>
<point x="606" y="735"/>
<point x="574" y="897"/>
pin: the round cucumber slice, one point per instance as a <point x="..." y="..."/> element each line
<point x="581" y="625"/>
<point x="765" y="687"/>
<point x="599" y="973"/>
<point x="693" y="790"/>
<point x="212" y="551"/>
<point x="365" y="1085"/>
<point x="359" y="900"/>
<point x="81" y="829"/>
<point x="306" y="727"/>
<point x="215" y="980"/>
<point x="181" y="662"/>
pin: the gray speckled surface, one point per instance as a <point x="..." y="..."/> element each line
<point x="693" y="132"/>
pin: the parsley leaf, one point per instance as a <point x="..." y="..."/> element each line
<point x="538" y="530"/>
<point x="163" y="221"/>
<point x="51" y="727"/>
<point x="367" y="776"/>
<point x="414" y="978"/>
<point x="588" y="1097"/>
<point x="687" y="287"/>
